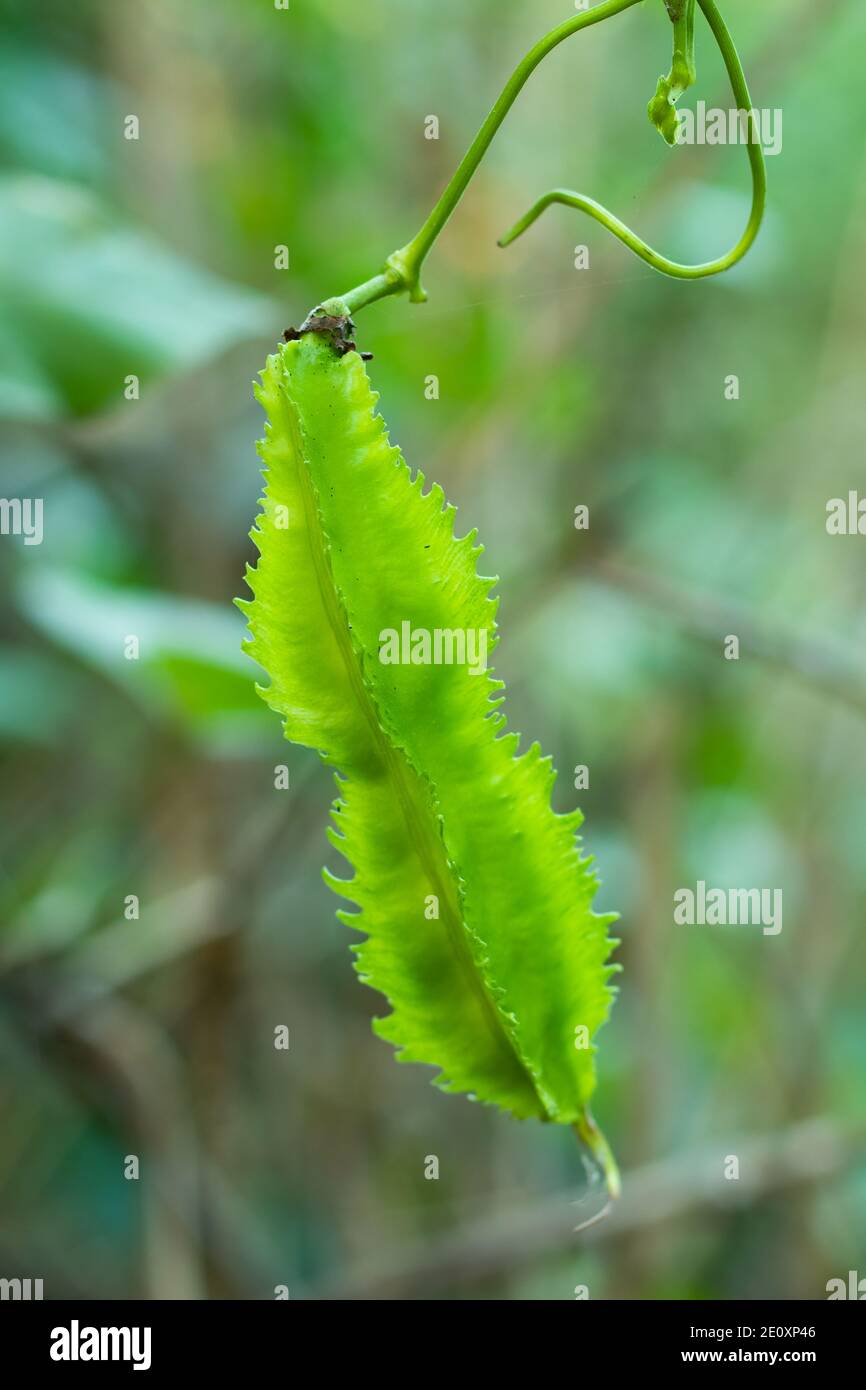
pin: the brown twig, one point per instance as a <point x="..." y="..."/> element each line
<point x="833" y="668"/>
<point x="508" y="1240"/>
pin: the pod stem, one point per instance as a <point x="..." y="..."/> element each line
<point x="589" y="1134"/>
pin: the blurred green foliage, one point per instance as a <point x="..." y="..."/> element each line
<point x="154" y="258"/>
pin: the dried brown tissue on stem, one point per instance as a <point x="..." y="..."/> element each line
<point x="335" y="325"/>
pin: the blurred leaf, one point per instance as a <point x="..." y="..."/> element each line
<point x="190" y="664"/>
<point x="592" y="652"/>
<point x="36" y="695"/>
<point x="52" y="114"/>
<point x="90" y="301"/>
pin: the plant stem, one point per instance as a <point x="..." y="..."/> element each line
<point x="629" y="238"/>
<point x="403" y="268"/>
<point x="589" y="1133"/>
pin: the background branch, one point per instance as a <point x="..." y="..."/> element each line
<point x="659" y="1194"/>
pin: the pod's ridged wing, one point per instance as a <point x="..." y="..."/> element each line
<point x="436" y="801"/>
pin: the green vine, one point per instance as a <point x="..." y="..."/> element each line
<point x="662" y="109"/>
<point x="402" y="270"/>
